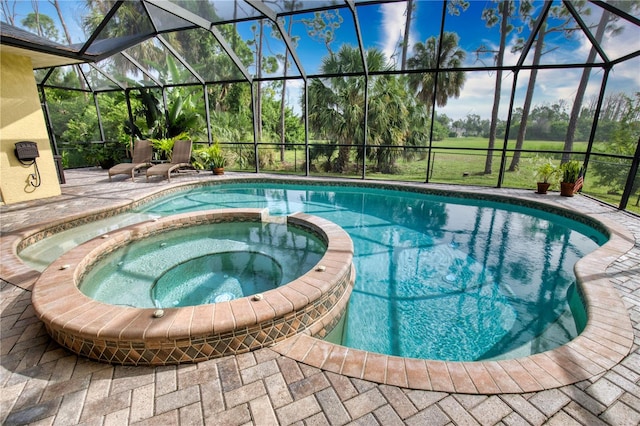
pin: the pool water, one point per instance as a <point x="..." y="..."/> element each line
<point x="203" y="264"/>
<point x="217" y="277"/>
<point x="42" y="253"/>
<point x="436" y="278"/>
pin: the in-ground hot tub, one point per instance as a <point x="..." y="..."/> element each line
<point x="202" y="303"/>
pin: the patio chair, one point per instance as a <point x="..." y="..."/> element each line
<point x="180" y="158"/>
<point x="142" y="151"/>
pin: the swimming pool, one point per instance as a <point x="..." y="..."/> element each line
<point x="437" y="277"/>
<point x="605" y="341"/>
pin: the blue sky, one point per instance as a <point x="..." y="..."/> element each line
<point x="382" y="27"/>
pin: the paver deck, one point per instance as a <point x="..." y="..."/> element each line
<point x="42" y="383"/>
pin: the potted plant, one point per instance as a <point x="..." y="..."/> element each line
<point x="571" y="171"/>
<point x="545" y="173"/>
<point x="218" y="161"/>
<point x="211" y="158"/>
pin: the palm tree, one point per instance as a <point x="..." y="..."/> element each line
<point x="426" y="57"/>
<point x="500" y="14"/>
<point x="454" y="8"/>
<point x="336" y="104"/>
<point x="389" y="121"/>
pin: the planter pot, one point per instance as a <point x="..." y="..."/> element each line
<point x="543" y="187"/>
<point x="566" y="189"/>
<point x="218" y="170"/>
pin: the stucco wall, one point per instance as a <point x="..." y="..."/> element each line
<point x="21" y="119"/>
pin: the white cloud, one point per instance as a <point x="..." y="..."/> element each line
<point x="625" y="42"/>
<point x="295" y="90"/>
<point x="476" y="97"/>
<point x="393" y="24"/>
<point x="552" y="85"/>
<point x="628" y="71"/>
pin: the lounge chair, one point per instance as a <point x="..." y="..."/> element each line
<point x="142" y="151"/>
<point x="180" y="158"/>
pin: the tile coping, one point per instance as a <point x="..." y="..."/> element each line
<point x="128" y="335"/>
<point x="605" y="341"/>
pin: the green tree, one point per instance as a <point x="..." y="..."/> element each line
<point x="271" y="63"/>
<point x="606" y="23"/>
<point x="184" y="113"/>
<point x="42" y="24"/>
<point x="83" y="127"/>
<point x="426" y="57"/>
<point x="537" y="54"/>
<point x="292" y="5"/>
<point x="64" y="105"/>
<point x="567" y="26"/>
<point x="115" y="117"/>
<point x="624" y="141"/>
<point x="229" y="102"/>
<point x="263" y="63"/>
<point x="388" y="123"/>
<point x="473" y="125"/>
<point x="294" y="130"/>
<point x="548" y="121"/>
<point x="336" y="104"/>
<point x="322" y="27"/>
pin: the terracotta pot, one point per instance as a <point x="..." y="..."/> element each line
<point x="543" y="187"/>
<point x="218" y="170"/>
<point x="566" y="189"/>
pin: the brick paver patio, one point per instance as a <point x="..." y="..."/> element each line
<point x="44" y="384"/>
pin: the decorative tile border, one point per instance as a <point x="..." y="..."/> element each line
<point x="134" y="336"/>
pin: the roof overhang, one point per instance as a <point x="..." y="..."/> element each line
<point x="43" y="53"/>
<point x="39" y="59"/>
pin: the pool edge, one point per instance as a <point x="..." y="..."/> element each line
<point x="149" y="336"/>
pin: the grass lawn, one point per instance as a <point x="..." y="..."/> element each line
<point x="464" y="165"/>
